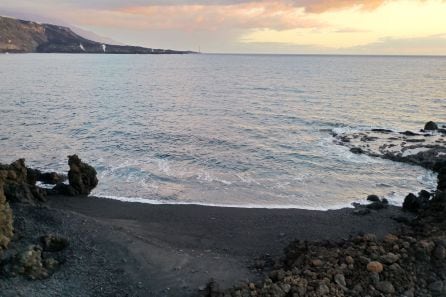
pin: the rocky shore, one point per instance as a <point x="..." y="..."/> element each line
<point x="59" y="242"/>
<point x="18" y="185"/>
<point x="409" y="262"/>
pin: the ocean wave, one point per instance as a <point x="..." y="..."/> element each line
<point x="342" y="153"/>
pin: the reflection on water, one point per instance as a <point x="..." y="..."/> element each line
<point x="219" y="129"/>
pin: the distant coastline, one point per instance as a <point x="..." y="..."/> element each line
<point x="20" y="36"/>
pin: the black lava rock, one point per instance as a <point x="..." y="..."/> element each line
<point x="373" y="198"/>
<point x="414" y="203"/>
<point x="356" y="150"/>
<point x="430" y="126"/>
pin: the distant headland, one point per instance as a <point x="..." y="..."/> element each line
<point x="19" y="36"/>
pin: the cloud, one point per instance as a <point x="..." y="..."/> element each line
<point x="272" y="14"/>
<point x="186" y="15"/>
<point x="310" y="5"/>
<point x="213" y="15"/>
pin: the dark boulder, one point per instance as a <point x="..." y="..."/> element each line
<point x="411" y="202"/>
<point x="53" y="243"/>
<point x="82" y="178"/>
<point x="414" y="203"/>
<point x="373" y="198"/>
<point x="431" y="126"/>
<point x="357" y="150"/>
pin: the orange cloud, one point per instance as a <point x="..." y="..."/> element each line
<point x="239" y="15"/>
<point x="196" y="14"/>
<point x="325" y="5"/>
<point x="253" y="15"/>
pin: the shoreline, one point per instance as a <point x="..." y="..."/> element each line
<point x="248" y="206"/>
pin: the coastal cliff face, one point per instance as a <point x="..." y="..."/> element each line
<point x="18" y="36"/>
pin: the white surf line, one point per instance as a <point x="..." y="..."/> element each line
<point x="415" y="151"/>
<point x="249" y="206"/>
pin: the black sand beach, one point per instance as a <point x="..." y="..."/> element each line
<point x="133" y="249"/>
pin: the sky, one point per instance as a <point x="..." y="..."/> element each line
<point x="396" y="27"/>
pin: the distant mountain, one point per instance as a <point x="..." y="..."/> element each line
<point x="18" y="36"/>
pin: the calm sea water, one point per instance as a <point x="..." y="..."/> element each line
<point x="239" y="130"/>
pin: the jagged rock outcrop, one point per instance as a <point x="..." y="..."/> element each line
<point x="20" y="181"/>
<point x="18" y="187"/>
<point x="425" y="149"/>
<point x="81" y="176"/>
<point x="18" y="184"/>
<point x="6" y="220"/>
<point x="414" y="202"/>
<point x="18" y="36"/>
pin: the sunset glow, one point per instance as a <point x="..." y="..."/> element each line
<point x="275" y="26"/>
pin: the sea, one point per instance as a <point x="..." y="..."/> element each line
<point x="224" y="130"/>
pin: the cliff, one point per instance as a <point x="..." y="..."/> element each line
<point x="18" y="36"/>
